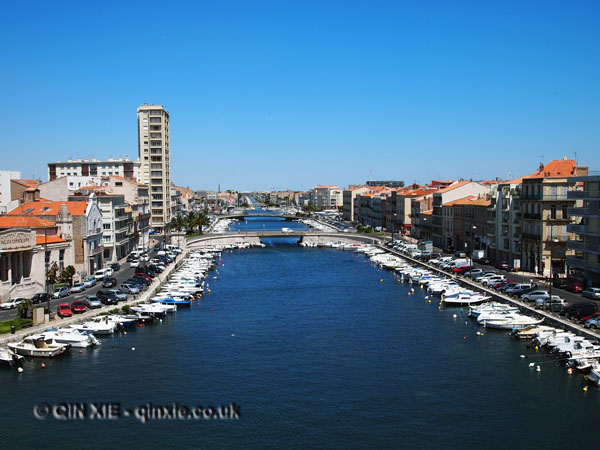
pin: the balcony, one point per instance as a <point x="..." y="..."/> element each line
<point x="532" y="216"/>
<point x="576" y="245"/>
<point x="546" y="197"/>
<point x="583" y="212"/>
<point x="583" y="195"/>
<point x="582" y="229"/>
<point x="556" y="239"/>
<point x="581" y="264"/>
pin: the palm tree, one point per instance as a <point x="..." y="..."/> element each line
<point x="201" y="220"/>
<point x="191" y="221"/>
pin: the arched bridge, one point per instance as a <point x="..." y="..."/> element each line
<point x="250" y="237"/>
<point x="242" y="216"/>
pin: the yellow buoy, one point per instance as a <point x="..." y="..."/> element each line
<point x="585" y="388"/>
<point x="381" y="281"/>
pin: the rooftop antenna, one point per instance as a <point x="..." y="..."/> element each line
<point x="370" y="173"/>
<point x="542" y="158"/>
<point x="575" y="159"/>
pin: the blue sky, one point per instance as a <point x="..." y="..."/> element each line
<point x="290" y="94"/>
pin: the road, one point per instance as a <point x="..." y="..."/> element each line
<point x="124" y="273"/>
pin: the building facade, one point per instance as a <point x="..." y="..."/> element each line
<point x="326" y="197"/>
<point x="585" y="231"/>
<point x="155" y="165"/>
<point x="348" y="198"/>
<point x="94" y="168"/>
<point x="545" y="205"/>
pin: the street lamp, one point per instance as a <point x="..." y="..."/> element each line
<point x="472" y="236"/>
<point x="393" y="225"/>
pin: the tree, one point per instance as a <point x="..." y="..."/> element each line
<point x="308" y="208"/>
<point x="201" y="220"/>
<point x="66" y="275"/>
<point x="24" y="307"/>
<point x="52" y="274"/>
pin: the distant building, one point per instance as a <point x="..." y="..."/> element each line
<point x="123" y="167"/>
<point x="326" y="197"/>
<point x="348" y="198"/>
<point x="388" y="183"/>
<point x="442" y="221"/>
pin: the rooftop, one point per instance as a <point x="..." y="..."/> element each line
<point x="24" y="222"/>
<point x="45" y="207"/>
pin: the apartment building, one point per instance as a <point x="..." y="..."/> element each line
<point x="348" y="199"/>
<point x="326" y="197"/>
<point x="94" y="168"/>
<point x="585" y="230"/>
<point x="155" y="166"/>
<point x="505" y="223"/>
<point x="442" y="221"/>
<point x="545" y="205"/>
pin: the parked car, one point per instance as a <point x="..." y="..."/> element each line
<point x="78" y="287"/>
<point x="107" y="297"/>
<point x="519" y="289"/>
<point x="64" y="310"/>
<point x="505" y="266"/>
<point x="109" y="282"/>
<point x="61" y="292"/>
<point x="121" y="296"/>
<point x="560" y="283"/>
<point x="134" y="263"/>
<point x="593" y="323"/>
<point x="592" y="316"/>
<point x="41" y="297"/>
<point x="90" y="281"/>
<point x="115" y="266"/>
<point x="103" y="273"/>
<point x="78" y="306"/>
<point x="11" y="304"/>
<point x="574" y="286"/>
<point x="460" y="254"/>
<point x="145" y="278"/>
<point x="534" y="295"/>
<point x="157" y="247"/>
<point x="579" y="310"/>
<point x="130" y="288"/>
<point x="556" y="304"/>
<point x="92" y="301"/>
<point x="490" y="281"/>
<point x="591" y="292"/>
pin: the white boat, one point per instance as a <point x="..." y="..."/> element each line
<point x="100" y="326"/>
<point x="465" y="298"/>
<point x="72" y="337"/>
<point x="532" y="331"/>
<point x="38" y="347"/>
<point x="475" y="311"/>
<point x="594" y="375"/>
<point x="8" y="358"/>
<point x="509" y="321"/>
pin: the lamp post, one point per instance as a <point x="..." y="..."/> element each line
<point x="471" y="258"/>
<point x="393" y="225"/>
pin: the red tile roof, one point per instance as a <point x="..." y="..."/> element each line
<point x="460" y="201"/>
<point x="24" y="222"/>
<point x="50" y="239"/>
<point x="45" y="207"/>
<point x="559" y="168"/>
<point x="326" y="187"/>
<point x="27" y="183"/>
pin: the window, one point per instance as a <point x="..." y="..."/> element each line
<point x="564" y="212"/>
<point x="553" y="212"/>
<point x="106" y="226"/>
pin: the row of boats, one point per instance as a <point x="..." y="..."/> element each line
<point x="577" y="352"/>
<point x="184" y="286"/>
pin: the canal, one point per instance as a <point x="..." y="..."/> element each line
<point x="319" y="349"/>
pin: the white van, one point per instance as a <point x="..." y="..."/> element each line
<point x="176" y="249"/>
<point x="102" y="273"/>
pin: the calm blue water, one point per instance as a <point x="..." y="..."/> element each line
<point x="318" y="352"/>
